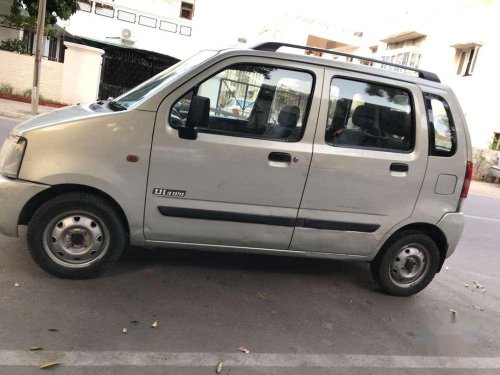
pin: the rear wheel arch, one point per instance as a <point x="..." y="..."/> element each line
<point x="430" y="230"/>
<point x="38" y="200"/>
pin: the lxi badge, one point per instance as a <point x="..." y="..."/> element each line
<point x="167" y="193"/>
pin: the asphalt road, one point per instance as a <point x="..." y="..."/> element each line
<point x="6" y="125"/>
<point x="296" y="316"/>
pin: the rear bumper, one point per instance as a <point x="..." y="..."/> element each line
<point x="14" y="195"/>
<point x="452" y="225"/>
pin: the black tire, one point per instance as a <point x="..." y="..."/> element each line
<point x="73" y="204"/>
<point x="382" y="266"/>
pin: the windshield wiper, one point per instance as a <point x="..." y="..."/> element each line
<point x="115" y="106"/>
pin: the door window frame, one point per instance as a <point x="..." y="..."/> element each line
<point x="195" y="89"/>
<point x="430" y="125"/>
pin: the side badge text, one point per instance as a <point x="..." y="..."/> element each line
<point x="159" y="192"/>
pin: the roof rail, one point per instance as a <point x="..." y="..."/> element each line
<point x="274" y="46"/>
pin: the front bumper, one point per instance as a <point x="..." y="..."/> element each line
<point x="452" y="225"/>
<point x="14" y="194"/>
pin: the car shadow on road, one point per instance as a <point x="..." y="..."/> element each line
<point x="135" y="259"/>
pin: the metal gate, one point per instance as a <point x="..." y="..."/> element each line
<point x="123" y="69"/>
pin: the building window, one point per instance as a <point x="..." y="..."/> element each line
<point x="105" y="10"/>
<point x="187" y="10"/>
<point x="147" y="21"/>
<point x="411" y="59"/>
<point x="168" y="26"/>
<point x="185" y="30"/>
<point x="495" y="145"/>
<point x="85" y="6"/>
<point x="126" y="16"/>
<point x="467" y="60"/>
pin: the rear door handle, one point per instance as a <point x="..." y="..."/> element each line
<point x="280" y="157"/>
<point x="399" y="167"/>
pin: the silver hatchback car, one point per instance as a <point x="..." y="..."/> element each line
<point x="334" y="160"/>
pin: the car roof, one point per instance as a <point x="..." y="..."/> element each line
<point x="318" y="61"/>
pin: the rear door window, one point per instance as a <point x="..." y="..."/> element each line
<point x="369" y="115"/>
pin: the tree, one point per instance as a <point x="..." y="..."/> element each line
<point x="23" y="13"/>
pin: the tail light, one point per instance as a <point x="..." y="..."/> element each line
<point x="468" y="179"/>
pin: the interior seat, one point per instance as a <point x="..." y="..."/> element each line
<point x="365" y="118"/>
<point x="287" y="122"/>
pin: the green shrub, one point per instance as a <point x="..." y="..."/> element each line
<point x="5" y="88"/>
<point x="13" y="45"/>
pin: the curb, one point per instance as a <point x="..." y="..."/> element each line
<point x="15" y="115"/>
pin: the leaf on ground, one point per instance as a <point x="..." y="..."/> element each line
<point x="218" y="369"/>
<point x="478" y="308"/>
<point x="53" y="330"/>
<point x="16" y="284"/>
<point x="478" y="286"/>
<point x="244" y="350"/>
<point x="50" y="364"/>
<point x="155" y="324"/>
<point x="35" y="348"/>
<point x="124" y="330"/>
<point x="261" y="295"/>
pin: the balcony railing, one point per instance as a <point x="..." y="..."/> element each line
<point x="109" y="10"/>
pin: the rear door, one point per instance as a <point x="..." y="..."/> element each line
<point x="240" y="182"/>
<point x="370" y="156"/>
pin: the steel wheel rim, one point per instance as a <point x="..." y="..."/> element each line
<point x="76" y="239"/>
<point x="409" y="266"/>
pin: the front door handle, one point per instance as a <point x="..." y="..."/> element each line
<point x="280" y="157"/>
<point x="399" y="167"/>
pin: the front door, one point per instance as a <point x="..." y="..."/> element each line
<point x="370" y="157"/>
<point x="240" y="182"/>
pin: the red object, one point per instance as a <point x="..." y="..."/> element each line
<point x="236" y="111"/>
<point x="133" y="158"/>
<point x="26" y="99"/>
<point x="468" y="178"/>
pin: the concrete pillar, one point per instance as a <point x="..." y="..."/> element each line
<point x="81" y="73"/>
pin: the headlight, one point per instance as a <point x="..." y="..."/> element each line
<point x="11" y="156"/>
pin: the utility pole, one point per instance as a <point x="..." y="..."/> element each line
<point x="40" y="25"/>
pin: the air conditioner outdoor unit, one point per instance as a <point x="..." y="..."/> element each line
<point x="127" y="36"/>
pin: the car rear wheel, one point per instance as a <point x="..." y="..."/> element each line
<point x="407" y="265"/>
<point x="76" y="236"/>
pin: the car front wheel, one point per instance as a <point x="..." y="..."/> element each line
<point x="76" y="236"/>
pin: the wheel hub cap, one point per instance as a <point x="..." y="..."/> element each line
<point x="409" y="265"/>
<point x="75" y="240"/>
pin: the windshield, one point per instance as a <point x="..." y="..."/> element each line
<point x="144" y="89"/>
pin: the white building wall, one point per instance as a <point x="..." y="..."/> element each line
<point x="170" y="36"/>
<point x="17" y="71"/>
<point x="477" y="23"/>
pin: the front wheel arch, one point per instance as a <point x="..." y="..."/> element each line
<point x="38" y="200"/>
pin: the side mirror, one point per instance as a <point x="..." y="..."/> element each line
<point x="198" y="115"/>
